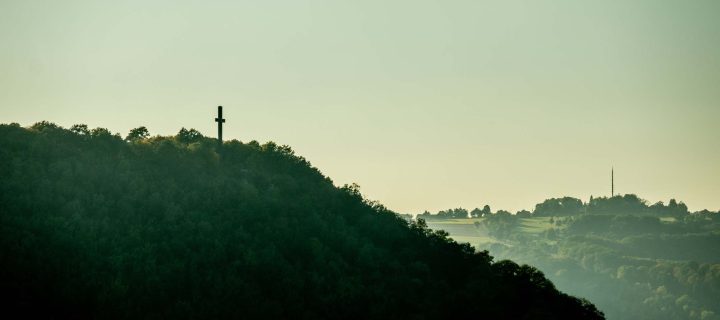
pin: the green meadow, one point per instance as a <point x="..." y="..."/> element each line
<point x="474" y="232"/>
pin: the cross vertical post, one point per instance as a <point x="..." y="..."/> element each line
<point x="220" y="122"/>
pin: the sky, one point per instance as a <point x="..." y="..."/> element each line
<point x="427" y="105"/>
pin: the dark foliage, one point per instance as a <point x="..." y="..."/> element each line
<point x="94" y="226"/>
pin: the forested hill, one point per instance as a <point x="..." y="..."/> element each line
<point x="96" y="226"/>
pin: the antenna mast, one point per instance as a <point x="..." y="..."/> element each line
<point x="612" y="182"/>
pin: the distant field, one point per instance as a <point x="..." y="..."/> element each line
<point x="535" y="224"/>
<point x="465" y="231"/>
<point x="455" y="221"/>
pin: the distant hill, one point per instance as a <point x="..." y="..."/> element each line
<point x="633" y="260"/>
<point x="96" y="226"/>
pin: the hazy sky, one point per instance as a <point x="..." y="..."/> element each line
<point x="425" y="104"/>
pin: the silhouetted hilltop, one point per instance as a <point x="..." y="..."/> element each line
<point x="96" y="226"/>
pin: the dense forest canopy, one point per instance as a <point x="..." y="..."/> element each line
<point x="94" y="225"/>
<point x="632" y="259"/>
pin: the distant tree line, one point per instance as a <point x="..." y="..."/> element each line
<point x="628" y="204"/>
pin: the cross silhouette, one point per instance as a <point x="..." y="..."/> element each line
<point x="220" y="121"/>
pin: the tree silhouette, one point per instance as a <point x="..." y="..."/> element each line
<point x="138" y="133"/>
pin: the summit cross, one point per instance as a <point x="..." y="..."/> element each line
<point x="220" y="122"/>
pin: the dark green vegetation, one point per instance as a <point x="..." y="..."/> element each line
<point x="633" y="260"/>
<point x="95" y="226"/>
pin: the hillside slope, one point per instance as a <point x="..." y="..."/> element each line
<point x="95" y="226"/>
